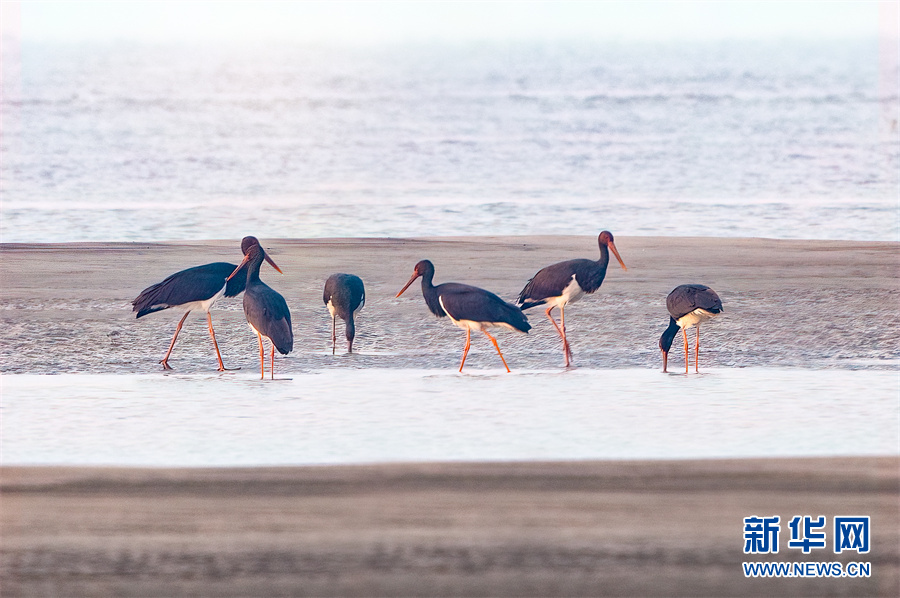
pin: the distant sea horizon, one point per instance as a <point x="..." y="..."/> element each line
<point x="148" y="142"/>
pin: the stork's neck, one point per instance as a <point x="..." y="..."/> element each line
<point x="603" y="262"/>
<point x="428" y="287"/>
<point x="253" y="269"/>
<point x="432" y="294"/>
<point x="665" y="341"/>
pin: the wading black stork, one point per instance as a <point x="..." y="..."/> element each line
<point x="344" y="296"/>
<point x="195" y="288"/>
<point x="688" y="305"/>
<point x="566" y="282"/>
<point x="468" y="307"/>
<point x="266" y="310"/>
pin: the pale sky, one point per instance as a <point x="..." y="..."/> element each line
<point x="376" y="21"/>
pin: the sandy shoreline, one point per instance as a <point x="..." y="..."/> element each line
<point x="590" y="528"/>
<point x="65" y="307"/>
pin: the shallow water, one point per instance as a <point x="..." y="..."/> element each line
<point x="735" y="139"/>
<point x="361" y="416"/>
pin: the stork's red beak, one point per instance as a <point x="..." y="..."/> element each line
<point x="411" y="280"/>
<point x="241" y="265"/>
<point x="246" y="259"/>
<point x="271" y="263"/>
<point x="615" y="251"/>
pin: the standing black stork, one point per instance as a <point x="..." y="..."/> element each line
<point x="567" y="282"/>
<point x="195" y="288"/>
<point x="344" y="296"/>
<point x="688" y="305"/>
<point x="468" y="307"/>
<point x="266" y="310"/>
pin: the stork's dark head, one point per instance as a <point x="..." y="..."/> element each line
<point x="606" y="240"/>
<point x="246" y="242"/>
<point x="665" y="341"/>
<point x="423" y="268"/>
<point x="253" y="252"/>
<point x="250" y="241"/>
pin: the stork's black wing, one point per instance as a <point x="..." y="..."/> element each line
<point x="194" y="284"/>
<point x="268" y="313"/>
<point x="346" y="293"/>
<point x="686" y="298"/>
<point x="553" y="280"/>
<point x="464" y="302"/>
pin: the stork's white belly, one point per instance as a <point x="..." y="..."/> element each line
<point x="204" y="305"/>
<point x="698" y="316"/>
<point x="472" y="325"/>
<point x="257" y="332"/>
<point x="333" y="310"/>
<point x="572" y="293"/>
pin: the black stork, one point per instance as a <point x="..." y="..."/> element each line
<point x="468" y="307"/>
<point x="566" y="282"/>
<point x="688" y="305"/>
<point x="195" y="288"/>
<point x="344" y="296"/>
<point x="266" y="310"/>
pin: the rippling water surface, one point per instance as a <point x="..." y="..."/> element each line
<point x="360" y="416"/>
<point x="137" y="142"/>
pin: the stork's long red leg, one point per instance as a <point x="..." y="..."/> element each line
<point x="560" y="333"/>
<point x="697" y="351"/>
<point x="165" y="360"/>
<point x="262" y="358"/>
<point x="686" y="351"/>
<point x="333" y="334"/>
<point x="212" y="335"/>
<point x="562" y="321"/>
<point x="466" y="350"/>
<point x="272" y="360"/>
<point x="496" y="346"/>
<point x="555" y="325"/>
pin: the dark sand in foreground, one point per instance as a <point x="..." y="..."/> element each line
<point x="564" y="529"/>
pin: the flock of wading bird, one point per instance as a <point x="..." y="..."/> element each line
<point x="470" y="308"/>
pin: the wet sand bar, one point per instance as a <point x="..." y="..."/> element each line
<point x="65" y="308"/>
<point x="541" y="529"/>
